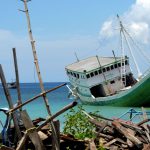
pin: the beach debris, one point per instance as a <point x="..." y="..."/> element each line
<point x="121" y="134"/>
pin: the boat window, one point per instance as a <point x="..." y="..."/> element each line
<point x="96" y="73"/>
<point x="78" y="76"/>
<point x="112" y="82"/>
<point x="88" y="76"/>
<point x="104" y="69"/>
<point x="116" y="66"/>
<point x="100" y="71"/>
<point x="119" y="64"/>
<point x="74" y="74"/>
<point x="108" y="68"/>
<point x="92" y="74"/>
<point x="122" y="64"/>
<point x="126" y="62"/>
<point x="112" y="67"/>
<point x="71" y="73"/>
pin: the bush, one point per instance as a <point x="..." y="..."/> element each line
<point x="78" y="125"/>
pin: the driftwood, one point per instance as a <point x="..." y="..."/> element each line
<point x="120" y="134"/>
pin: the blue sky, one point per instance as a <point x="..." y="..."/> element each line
<point x="61" y="28"/>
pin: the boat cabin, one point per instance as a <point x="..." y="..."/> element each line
<point x="100" y="76"/>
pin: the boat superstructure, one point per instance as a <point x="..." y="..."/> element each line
<point x="101" y="80"/>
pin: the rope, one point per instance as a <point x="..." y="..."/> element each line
<point x="30" y="130"/>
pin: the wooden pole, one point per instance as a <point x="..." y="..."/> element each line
<point x="57" y="114"/>
<point x="9" y="100"/>
<point x="22" y="141"/>
<point x="17" y="77"/>
<point x="32" y="99"/>
<point x="55" y="138"/>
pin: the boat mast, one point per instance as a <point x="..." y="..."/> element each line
<point x="123" y="70"/>
<point x="123" y="31"/>
<point x="76" y="56"/>
<point x="38" y="72"/>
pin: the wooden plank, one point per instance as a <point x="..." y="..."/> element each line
<point x="32" y="134"/>
<point x="127" y="134"/>
<point x="109" y="137"/>
<point x="92" y="145"/>
<point x="57" y="127"/>
<point x="21" y="144"/>
<point x="147" y="132"/>
<point x="100" y="124"/>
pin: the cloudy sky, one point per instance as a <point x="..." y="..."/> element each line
<point x="61" y="28"/>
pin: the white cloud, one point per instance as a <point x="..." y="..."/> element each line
<point x="136" y="20"/>
<point x="140" y="30"/>
<point x="107" y="30"/>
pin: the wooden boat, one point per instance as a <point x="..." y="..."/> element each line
<point x="12" y="85"/>
<point x="109" y="80"/>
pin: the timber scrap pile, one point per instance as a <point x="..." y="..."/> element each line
<point x="118" y="134"/>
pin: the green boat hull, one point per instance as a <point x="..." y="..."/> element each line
<point x="137" y="96"/>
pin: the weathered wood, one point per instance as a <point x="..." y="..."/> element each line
<point x="17" y="77"/>
<point x="115" y="140"/>
<point x="101" y="117"/>
<point x="9" y="100"/>
<point x="57" y="114"/>
<point x="31" y="131"/>
<point x="57" y="127"/>
<point x="130" y="144"/>
<point x="105" y="136"/>
<point x="3" y="147"/>
<point x="127" y="134"/>
<point x="21" y="143"/>
<point x="143" y="121"/>
<point x="100" y="124"/>
<point x="39" y="74"/>
<point x="42" y="135"/>
<point x="146" y="147"/>
<point x="32" y="99"/>
<point x="109" y="130"/>
<point x="147" y="132"/>
<point x="92" y="145"/>
<point x="131" y="126"/>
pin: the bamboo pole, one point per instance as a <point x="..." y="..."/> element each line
<point x="17" y="77"/>
<point x="71" y="105"/>
<point x="55" y="138"/>
<point x="9" y="100"/>
<point x="37" y="96"/>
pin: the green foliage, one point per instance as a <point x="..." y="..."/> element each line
<point x="78" y="125"/>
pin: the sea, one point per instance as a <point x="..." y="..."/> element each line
<point x="57" y="100"/>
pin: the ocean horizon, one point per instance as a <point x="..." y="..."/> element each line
<point x="57" y="100"/>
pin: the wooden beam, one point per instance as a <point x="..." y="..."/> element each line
<point x="17" y="77"/>
<point x="31" y="131"/>
<point x="9" y="100"/>
<point x="32" y="99"/>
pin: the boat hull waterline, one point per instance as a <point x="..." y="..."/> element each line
<point x="137" y="96"/>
